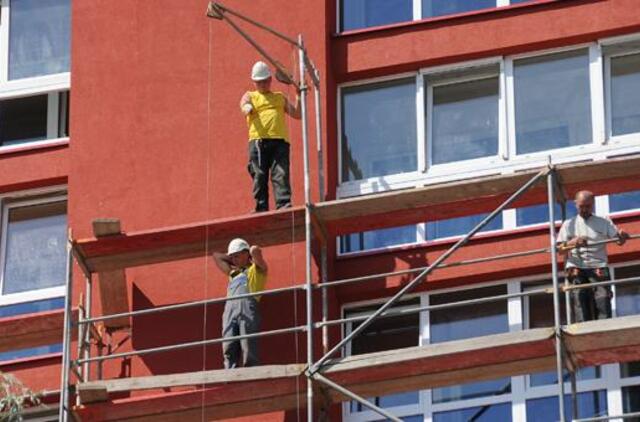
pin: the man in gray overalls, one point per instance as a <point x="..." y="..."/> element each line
<point x="247" y="271"/>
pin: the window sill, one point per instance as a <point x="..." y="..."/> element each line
<point x="452" y="17"/>
<point x="34" y="146"/>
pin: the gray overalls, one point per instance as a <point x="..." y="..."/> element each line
<point x="240" y="317"/>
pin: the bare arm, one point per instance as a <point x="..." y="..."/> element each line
<point x="293" y="110"/>
<point x="257" y="258"/>
<point x="222" y="262"/>
<point x="245" y="104"/>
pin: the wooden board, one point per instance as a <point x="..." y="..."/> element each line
<point x="33" y="330"/>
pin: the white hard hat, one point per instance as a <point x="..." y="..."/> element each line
<point x="260" y="71"/>
<point x="237" y="245"/>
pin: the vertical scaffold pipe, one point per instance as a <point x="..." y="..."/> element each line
<point x="66" y="339"/>
<point x="86" y="370"/>
<point x="556" y="293"/>
<point x="307" y="226"/>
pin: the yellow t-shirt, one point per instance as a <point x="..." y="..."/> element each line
<point x="256" y="278"/>
<point x="267" y="119"/>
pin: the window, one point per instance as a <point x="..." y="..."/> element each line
<point x="432" y="8"/>
<point x="464" y="120"/>
<point x="386" y="334"/>
<point x="625" y="104"/>
<point x="488" y="413"/>
<point x="375" y="239"/>
<point x="631" y="399"/>
<point x="590" y="405"/>
<point x="460" y="226"/>
<point x="365" y="13"/>
<point x="379" y="130"/>
<point x="34" y="70"/>
<point x="537" y="214"/>
<point x="627" y="294"/>
<point x="624" y="201"/>
<point x="552" y="102"/>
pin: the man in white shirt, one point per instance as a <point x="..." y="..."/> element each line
<point x="587" y="263"/>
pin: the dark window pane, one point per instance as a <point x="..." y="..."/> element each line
<point x="460" y="226"/>
<point x="23" y="120"/>
<point x="63" y="114"/>
<point x="631" y="401"/>
<point x="627" y="294"/>
<point x="35" y="255"/>
<point x="590" y="404"/>
<point x="377" y="239"/>
<point x="537" y="214"/>
<point x="379" y="130"/>
<point x="488" y="413"/>
<point x="630" y="369"/>
<point x="432" y="8"/>
<point x="625" y="103"/>
<point x="624" y="201"/>
<point x="472" y="390"/>
<point x="552" y="102"/>
<point x="365" y="13"/>
<point x="465" y="120"/>
<point x="39" y="37"/>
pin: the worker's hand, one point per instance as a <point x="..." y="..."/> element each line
<point x="622" y="237"/>
<point x="580" y="242"/>
<point x="247" y="109"/>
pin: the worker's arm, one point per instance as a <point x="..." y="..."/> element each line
<point x="245" y="104"/>
<point x="622" y="237"/>
<point x="257" y="258"/>
<point x="294" y="110"/>
<point x="222" y="262"/>
<point x="576" y="242"/>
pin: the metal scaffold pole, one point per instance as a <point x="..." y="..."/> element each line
<point x="66" y="339"/>
<point x="556" y="293"/>
<point x="307" y="224"/>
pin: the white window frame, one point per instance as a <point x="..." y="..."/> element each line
<point x="51" y="85"/>
<point x="20" y="199"/>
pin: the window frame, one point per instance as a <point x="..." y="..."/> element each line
<point x="51" y="85"/>
<point x="20" y="199"/>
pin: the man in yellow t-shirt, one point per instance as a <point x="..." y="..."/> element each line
<point x="268" y="138"/>
<point x="247" y="272"/>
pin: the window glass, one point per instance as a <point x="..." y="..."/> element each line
<point x="625" y="104"/>
<point x="627" y="294"/>
<point x="432" y="8"/>
<point x="552" y="102"/>
<point x="379" y="130"/>
<point x="624" y="201"/>
<point x="35" y="255"/>
<point x="28" y="308"/>
<point x="465" y="120"/>
<point x="460" y="226"/>
<point x="537" y="214"/>
<point x="631" y="400"/>
<point x="387" y="334"/>
<point x="378" y="239"/>
<point x="365" y="13"/>
<point x="415" y="418"/>
<point x="590" y="404"/>
<point x="39" y="37"/>
<point x="23" y="120"/>
<point x="466" y="322"/>
<point x="487" y="413"/>
<point x="630" y="369"/>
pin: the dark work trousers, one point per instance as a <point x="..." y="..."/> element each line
<point x="240" y="317"/>
<point x="270" y="156"/>
<point x="590" y="303"/>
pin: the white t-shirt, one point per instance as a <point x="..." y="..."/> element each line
<point x="594" y="229"/>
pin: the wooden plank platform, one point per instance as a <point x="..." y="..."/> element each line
<point x="256" y="390"/>
<point x="190" y="241"/>
<point x="33" y="330"/>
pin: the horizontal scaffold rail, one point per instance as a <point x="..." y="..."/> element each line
<point x="436" y="365"/>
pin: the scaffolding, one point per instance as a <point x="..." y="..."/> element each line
<point x="562" y="347"/>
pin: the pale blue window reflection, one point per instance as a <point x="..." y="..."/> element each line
<point x="537" y="214"/>
<point x="552" y="102"/>
<point x="631" y="400"/>
<point x="414" y="418"/>
<point x="627" y="294"/>
<point x="29" y="308"/>
<point x="590" y="404"/>
<point x="23" y="120"/>
<point x="625" y="103"/>
<point x="35" y="249"/>
<point x="550" y="378"/>
<point x="377" y="239"/>
<point x="624" y="201"/>
<point x="432" y="8"/>
<point x="488" y="413"/>
<point x="460" y="225"/>
<point x="465" y="120"/>
<point x="379" y="130"/>
<point x="387" y="334"/>
<point x="464" y="322"/>
<point x="365" y="13"/>
<point x="39" y="37"/>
